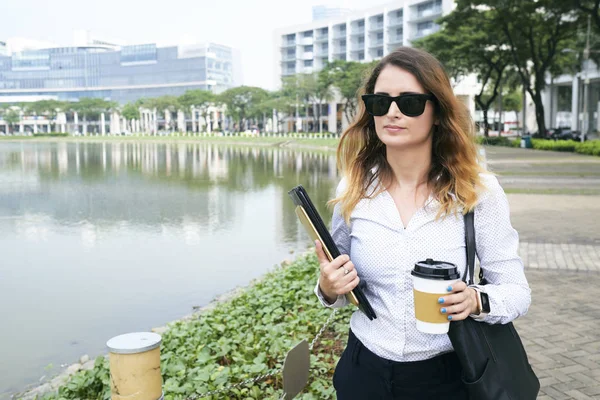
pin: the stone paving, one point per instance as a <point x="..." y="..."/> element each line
<point x="560" y="248"/>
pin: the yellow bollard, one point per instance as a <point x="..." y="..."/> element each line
<point x="135" y="366"/>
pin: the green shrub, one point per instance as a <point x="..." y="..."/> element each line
<point x="554" y="145"/>
<point x="495" y="141"/>
<point x="591" y="148"/>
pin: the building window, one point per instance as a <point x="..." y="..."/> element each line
<point x="324" y="31"/>
<point x="361" y="23"/>
<point x="308" y="63"/>
<point x="291" y="52"/>
<point x="308" y="49"/>
<point x="422" y="26"/>
<point x="343" y="42"/>
<point x="380" y="18"/>
<point x="379" y="52"/>
<point x="361" y="39"/>
<point x="325" y="47"/>
<point x="379" y="35"/>
<point x="308" y="34"/>
<point x="399" y="14"/>
<point x="361" y="55"/>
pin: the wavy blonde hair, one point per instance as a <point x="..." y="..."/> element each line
<point x="454" y="172"/>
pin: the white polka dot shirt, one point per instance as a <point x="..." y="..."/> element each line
<point x="384" y="252"/>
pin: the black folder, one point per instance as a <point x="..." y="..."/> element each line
<point x="316" y="229"/>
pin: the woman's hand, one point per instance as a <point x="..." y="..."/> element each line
<point x="337" y="277"/>
<point x="461" y="303"/>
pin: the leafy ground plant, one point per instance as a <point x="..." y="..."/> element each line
<point x="240" y="339"/>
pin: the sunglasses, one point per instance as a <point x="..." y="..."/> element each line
<point x="410" y="104"/>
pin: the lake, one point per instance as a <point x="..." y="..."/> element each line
<point x="101" y="239"/>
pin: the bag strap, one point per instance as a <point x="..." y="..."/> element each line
<point x="470" y="243"/>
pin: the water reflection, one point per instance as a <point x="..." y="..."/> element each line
<point x="187" y="185"/>
<point x="103" y="238"/>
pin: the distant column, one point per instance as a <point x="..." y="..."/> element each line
<point x="103" y="124"/>
<point x="575" y="103"/>
<point x="332" y="117"/>
<point x="194" y="121"/>
<point x="76" y="121"/>
<point x="167" y="120"/>
<point x="181" y="121"/>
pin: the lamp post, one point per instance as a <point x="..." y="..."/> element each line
<point x="586" y="83"/>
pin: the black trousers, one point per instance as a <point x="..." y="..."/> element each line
<point x="360" y="374"/>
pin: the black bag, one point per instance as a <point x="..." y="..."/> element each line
<point x="494" y="362"/>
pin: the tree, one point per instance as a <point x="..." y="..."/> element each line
<point x="12" y="117"/>
<point x="243" y="103"/>
<point x="130" y="111"/>
<point x="464" y="45"/>
<point x="197" y="99"/>
<point x="591" y="8"/>
<point x="347" y="77"/>
<point x="535" y="33"/>
<point x="91" y="108"/>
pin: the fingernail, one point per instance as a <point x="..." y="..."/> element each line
<point x="449" y="288"/>
<point x="441" y="300"/>
<point x="443" y="310"/>
<point x="449" y="317"/>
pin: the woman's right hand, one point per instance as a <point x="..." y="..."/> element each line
<point x="337" y="277"/>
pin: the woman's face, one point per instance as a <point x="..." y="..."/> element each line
<point x="395" y="129"/>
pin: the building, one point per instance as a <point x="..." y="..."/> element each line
<point x="565" y="102"/>
<point x="362" y="36"/>
<point x="320" y="13"/>
<point x="94" y="67"/>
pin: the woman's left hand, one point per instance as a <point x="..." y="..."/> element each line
<point x="460" y="303"/>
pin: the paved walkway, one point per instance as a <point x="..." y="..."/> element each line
<point x="560" y="247"/>
<point x="561" y="333"/>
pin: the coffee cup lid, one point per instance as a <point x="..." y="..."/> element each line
<point x="440" y="270"/>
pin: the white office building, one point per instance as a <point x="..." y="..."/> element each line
<point x="363" y="35"/>
<point x="320" y="13"/>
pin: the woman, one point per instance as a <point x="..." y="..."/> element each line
<point x="410" y="172"/>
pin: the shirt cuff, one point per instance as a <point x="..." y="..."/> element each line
<point x="339" y="302"/>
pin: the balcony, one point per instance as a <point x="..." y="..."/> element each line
<point x="322" y="38"/>
<point x="393" y="39"/>
<point x="340" y="50"/>
<point x="430" y="13"/>
<point x="376" y="26"/>
<point x="288" y="71"/>
<point x="376" y="43"/>
<point x="287" y="57"/>
<point x="394" y="22"/>
<point x="307" y="56"/>
<point x="306" y="41"/>
<point x="288" y="43"/>
<point x="425" y="32"/>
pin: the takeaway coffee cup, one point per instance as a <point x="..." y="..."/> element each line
<point x="430" y="281"/>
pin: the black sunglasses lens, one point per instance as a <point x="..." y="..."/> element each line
<point x="412" y="106"/>
<point x="378" y="106"/>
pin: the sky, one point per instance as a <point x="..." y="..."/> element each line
<point x="244" y="24"/>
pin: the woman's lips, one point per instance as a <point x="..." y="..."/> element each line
<point x="393" y="128"/>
